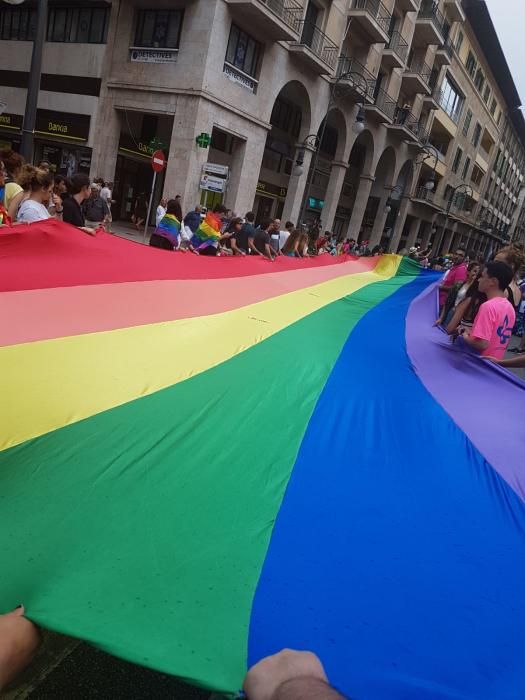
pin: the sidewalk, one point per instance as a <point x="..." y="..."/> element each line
<point x="125" y="229"/>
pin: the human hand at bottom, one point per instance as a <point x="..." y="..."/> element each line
<point x="289" y="674"/>
<point x="19" y="640"/>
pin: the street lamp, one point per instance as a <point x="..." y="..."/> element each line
<point x="467" y="191"/>
<point x="356" y="82"/>
<point x="28" y="127"/>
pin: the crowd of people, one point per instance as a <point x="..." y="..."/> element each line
<point x="31" y="193"/>
<point x="484" y="305"/>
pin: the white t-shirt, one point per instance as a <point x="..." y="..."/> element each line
<point x="32" y="211"/>
<point x="161" y="213"/>
<point x="107" y="195"/>
<point x="283" y="237"/>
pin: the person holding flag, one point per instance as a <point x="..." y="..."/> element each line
<point x="207" y="237"/>
<point x="167" y="233"/>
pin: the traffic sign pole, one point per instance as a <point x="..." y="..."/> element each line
<point x="150" y="204"/>
<point x="158" y="163"/>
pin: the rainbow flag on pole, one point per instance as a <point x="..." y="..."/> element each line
<point x="208" y="233"/>
<point x="203" y="461"/>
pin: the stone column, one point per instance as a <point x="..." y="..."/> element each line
<point x="358" y="212"/>
<point x="105" y="148"/>
<point x="296" y="190"/>
<point x="245" y="170"/>
<point x="186" y="159"/>
<point x="427" y="232"/>
<point x="400" y="224"/>
<point x="412" y="233"/>
<point x="381" y="217"/>
<point x="333" y="194"/>
<point x="447" y="240"/>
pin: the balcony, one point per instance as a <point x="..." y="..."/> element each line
<point x="355" y="80"/>
<point x="444" y="54"/>
<point x="455" y="11"/>
<point x="314" y="49"/>
<point x="408" y="5"/>
<point x="277" y="20"/>
<point x="424" y="196"/>
<point x="395" y="53"/>
<point x="430" y="26"/>
<point x="383" y="109"/>
<point x="372" y="19"/>
<point x="408" y="128"/>
<point x="416" y="78"/>
<point x="433" y="101"/>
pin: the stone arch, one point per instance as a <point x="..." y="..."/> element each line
<point x="385" y="169"/>
<point x="336" y="120"/>
<point x="363" y="150"/>
<point x="296" y="93"/>
<point x="404" y="178"/>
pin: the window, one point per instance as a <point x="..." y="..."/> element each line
<point x="477" y="175"/>
<point x="451" y="99"/>
<point x="457" y="160"/>
<point x="493" y="106"/>
<point x="158" y="29"/>
<point x="221" y="141"/>
<point x="466" y="168"/>
<point x="76" y="25"/>
<point x="476" y="135"/>
<point x="486" y="95"/>
<point x="459" y="41"/>
<point x="479" y="80"/>
<point x="243" y="52"/>
<point x="467" y="123"/>
<point x="17" y="24"/>
<point x="471" y="64"/>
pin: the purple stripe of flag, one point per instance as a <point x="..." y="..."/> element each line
<point x="485" y="401"/>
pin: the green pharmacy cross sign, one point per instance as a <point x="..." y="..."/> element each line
<point x="203" y="140"/>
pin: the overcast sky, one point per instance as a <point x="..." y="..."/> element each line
<point x="509" y="19"/>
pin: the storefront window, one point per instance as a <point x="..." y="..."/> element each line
<point x="159" y="29"/>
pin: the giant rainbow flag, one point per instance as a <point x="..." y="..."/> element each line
<point x="203" y="461"/>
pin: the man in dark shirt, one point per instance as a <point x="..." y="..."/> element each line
<point x="95" y="208"/>
<point x="260" y="244"/>
<point x="72" y="206"/>
<point x="240" y="239"/>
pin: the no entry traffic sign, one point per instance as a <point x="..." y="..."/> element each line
<point x="158" y="161"/>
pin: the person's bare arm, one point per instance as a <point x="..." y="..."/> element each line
<point x="289" y="675"/>
<point x="252" y="247"/>
<point x="19" y="640"/>
<point x="14" y="204"/>
<point x="479" y="344"/>
<point x="512" y="362"/>
<point x="460" y="311"/>
<point x="235" y="248"/>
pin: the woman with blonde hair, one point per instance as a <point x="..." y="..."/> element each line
<point x="14" y="194"/>
<point x="38" y="184"/>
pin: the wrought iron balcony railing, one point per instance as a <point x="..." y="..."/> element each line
<point x="318" y="42"/>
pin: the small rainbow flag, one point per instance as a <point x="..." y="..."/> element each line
<point x="169" y="227"/>
<point x="208" y="233"/>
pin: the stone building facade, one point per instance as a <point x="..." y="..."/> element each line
<point x="391" y="120"/>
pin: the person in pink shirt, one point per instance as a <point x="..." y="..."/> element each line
<point x="495" y="320"/>
<point x="457" y="273"/>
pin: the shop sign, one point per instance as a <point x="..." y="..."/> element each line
<point x="137" y="148"/>
<point x="216" y="169"/>
<point x="13" y="122"/>
<point x="74" y="127"/>
<point x="271" y="190"/>
<point x="153" y="55"/>
<point x="237" y="76"/>
<point x="210" y="183"/>
<point x="314" y="203"/>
